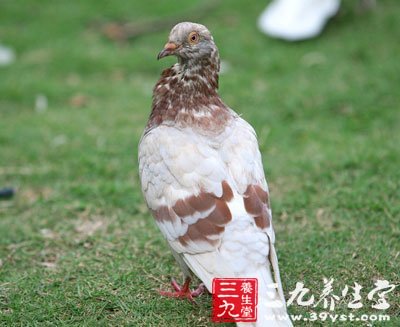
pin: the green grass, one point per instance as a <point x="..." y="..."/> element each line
<point x="77" y="244"/>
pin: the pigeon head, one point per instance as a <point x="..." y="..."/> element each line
<point x="189" y="42"/>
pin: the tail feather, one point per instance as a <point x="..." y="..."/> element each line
<point x="271" y="302"/>
<point x="271" y="310"/>
<point x="275" y="267"/>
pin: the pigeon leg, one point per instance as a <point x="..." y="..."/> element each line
<point x="183" y="292"/>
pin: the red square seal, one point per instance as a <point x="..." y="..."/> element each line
<point x="234" y="299"/>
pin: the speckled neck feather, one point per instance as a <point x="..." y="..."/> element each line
<point x="186" y="95"/>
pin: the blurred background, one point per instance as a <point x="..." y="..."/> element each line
<point x="77" y="244"/>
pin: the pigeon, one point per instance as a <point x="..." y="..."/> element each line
<point x="203" y="181"/>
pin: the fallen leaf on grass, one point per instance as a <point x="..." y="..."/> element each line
<point x="32" y="195"/>
<point x="78" y="101"/>
<point x="50" y="265"/>
<point x="89" y="227"/>
<point x="48" y="233"/>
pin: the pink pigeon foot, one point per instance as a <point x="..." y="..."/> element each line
<point x="183" y="292"/>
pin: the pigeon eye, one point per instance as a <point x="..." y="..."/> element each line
<point x="193" y="38"/>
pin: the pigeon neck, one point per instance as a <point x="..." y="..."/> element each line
<point x="186" y="95"/>
<point x="200" y="74"/>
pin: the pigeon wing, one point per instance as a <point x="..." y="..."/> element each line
<point x="196" y="185"/>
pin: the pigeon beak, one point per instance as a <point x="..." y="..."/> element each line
<point x="168" y="50"/>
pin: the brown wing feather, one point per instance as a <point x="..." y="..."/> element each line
<point x="208" y="226"/>
<point x="256" y="202"/>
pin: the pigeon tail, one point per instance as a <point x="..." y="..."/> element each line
<point x="271" y="311"/>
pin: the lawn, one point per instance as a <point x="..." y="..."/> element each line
<point x="77" y="244"/>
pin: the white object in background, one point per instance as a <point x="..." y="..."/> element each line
<point x="7" y="55"/>
<point x="41" y="103"/>
<point x="295" y="20"/>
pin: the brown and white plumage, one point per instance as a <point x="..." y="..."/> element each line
<point x="202" y="174"/>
